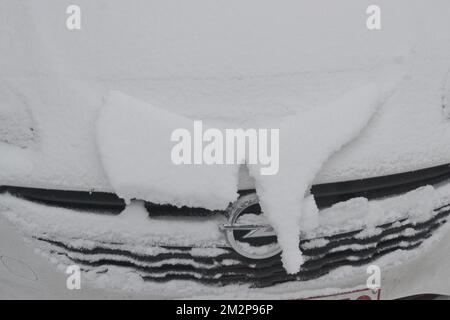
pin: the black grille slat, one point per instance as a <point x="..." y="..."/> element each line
<point x="260" y="273"/>
<point x="339" y="240"/>
<point x="257" y="279"/>
<point x="326" y="194"/>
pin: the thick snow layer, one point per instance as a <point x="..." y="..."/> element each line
<point x="135" y="147"/>
<point x="63" y="154"/>
<point x="266" y="64"/>
<point x="84" y="230"/>
<point x="134" y="139"/>
<point x="307" y="140"/>
<point x="131" y="229"/>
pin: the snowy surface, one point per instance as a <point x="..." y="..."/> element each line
<point x="135" y="232"/>
<point x="307" y="140"/>
<point x="134" y="139"/>
<point x="204" y="67"/>
<point x="267" y="66"/>
<point x="134" y="228"/>
<point x="16" y="124"/>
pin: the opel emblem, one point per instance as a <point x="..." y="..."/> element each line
<point x="248" y="231"/>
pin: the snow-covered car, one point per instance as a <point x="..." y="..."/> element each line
<point x="85" y="174"/>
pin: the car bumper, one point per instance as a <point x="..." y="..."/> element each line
<point x="411" y="251"/>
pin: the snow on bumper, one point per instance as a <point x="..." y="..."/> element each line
<point x="120" y="251"/>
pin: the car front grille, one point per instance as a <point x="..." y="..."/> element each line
<point x="227" y="267"/>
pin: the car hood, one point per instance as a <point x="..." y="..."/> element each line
<point x="225" y="64"/>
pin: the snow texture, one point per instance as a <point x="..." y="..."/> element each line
<point x="135" y="147"/>
<point x="85" y="230"/>
<point x="132" y="229"/>
<point x="204" y="67"/>
<point x="16" y="125"/>
<point x="307" y="140"/>
<point x="134" y="139"/>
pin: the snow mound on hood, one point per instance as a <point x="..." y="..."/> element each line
<point x="135" y="147"/>
<point x="307" y="140"/>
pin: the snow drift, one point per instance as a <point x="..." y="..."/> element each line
<point x="204" y="67"/>
<point x="307" y="140"/>
<point x="135" y="147"/>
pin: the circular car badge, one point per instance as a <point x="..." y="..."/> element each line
<point x="248" y="231"/>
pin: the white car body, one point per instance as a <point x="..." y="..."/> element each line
<point x="226" y="62"/>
